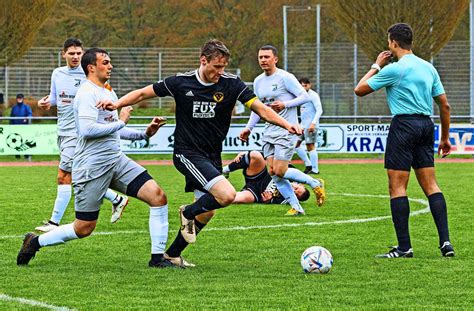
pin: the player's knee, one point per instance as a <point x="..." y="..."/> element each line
<point x="84" y="229"/>
<point x="396" y="191"/>
<point x="280" y="172"/>
<point x="270" y="170"/>
<point x="158" y="198"/>
<point x="227" y="198"/>
<point x="255" y="155"/>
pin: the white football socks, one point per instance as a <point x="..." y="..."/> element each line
<point x="112" y="196"/>
<point x="301" y="151"/>
<point x="158" y="224"/>
<point x="58" y="235"/>
<point x="62" y="200"/>
<point x="313" y="155"/>
<point x="299" y="176"/>
<point x="288" y="193"/>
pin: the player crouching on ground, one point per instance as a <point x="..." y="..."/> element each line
<point x="99" y="164"/>
<point x="259" y="186"/>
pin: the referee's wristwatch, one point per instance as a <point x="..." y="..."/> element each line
<point x="376" y="67"/>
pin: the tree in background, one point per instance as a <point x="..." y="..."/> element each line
<point x="20" y="22"/>
<point x="366" y="22"/>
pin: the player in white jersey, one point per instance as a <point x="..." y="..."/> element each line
<point x="280" y="90"/>
<point x="99" y="164"/>
<point x="311" y="111"/>
<point x="65" y="81"/>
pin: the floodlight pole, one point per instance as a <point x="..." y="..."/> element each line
<point x="318" y="46"/>
<point x="356" y="103"/>
<point x="471" y="44"/>
<point x="318" y="37"/>
<point x="6" y="85"/>
<point x="285" y="39"/>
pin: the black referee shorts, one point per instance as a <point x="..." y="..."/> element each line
<point x="410" y="143"/>
<point x="201" y="172"/>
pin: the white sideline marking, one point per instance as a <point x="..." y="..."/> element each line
<point x="33" y="303"/>
<point x="336" y="222"/>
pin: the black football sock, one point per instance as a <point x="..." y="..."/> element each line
<point x="400" y="213"/>
<point x="156" y="257"/>
<point x="179" y="243"/>
<point x="440" y="215"/>
<point x="35" y="243"/>
<point x="204" y="204"/>
<point x="242" y="164"/>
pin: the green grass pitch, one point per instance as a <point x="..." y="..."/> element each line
<point x="253" y="268"/>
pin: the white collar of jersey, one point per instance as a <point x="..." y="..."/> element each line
<point x="200" y="81"/>
<point x="96" y="86"/>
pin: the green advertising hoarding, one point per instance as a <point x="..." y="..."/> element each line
<point x="28" y="139"/>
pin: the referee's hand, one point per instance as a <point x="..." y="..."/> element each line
<point x="444" y="148"/>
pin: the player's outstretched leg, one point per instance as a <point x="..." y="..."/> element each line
<point x="286" y="190"/>
<point x="316" y="184"/>
<point x="32" y="242"/>
<point x="221" y="194"/>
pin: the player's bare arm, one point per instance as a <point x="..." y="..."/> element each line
<point x="129" y="99"/>
<point x="363" y="87"/>
<point x="44" y="103"/>
<point x="444" y="148"/>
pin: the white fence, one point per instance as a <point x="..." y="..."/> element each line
<point x="138" y="67"/>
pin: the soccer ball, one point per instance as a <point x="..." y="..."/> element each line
<point x="316" y="259"/>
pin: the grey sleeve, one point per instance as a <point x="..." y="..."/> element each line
<point x="87" y="114"/>
<point x="89" y="128"/>
<point x="128" y="133"/>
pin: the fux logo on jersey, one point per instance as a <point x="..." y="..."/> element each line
<point x="204" y="109"/>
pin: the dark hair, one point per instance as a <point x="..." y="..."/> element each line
<point x="214" y="48"/>
<point x="305" y="81"/>
<point x="71" y="42"/>
<point x="304" y="196"/>
<point x="90" y="58"/>
<point x="402" y="34"/>
<point x="271" y="48"/>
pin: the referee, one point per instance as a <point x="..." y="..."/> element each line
<point x="411" y="84"/>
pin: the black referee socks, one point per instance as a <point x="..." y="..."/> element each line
<point x="400" y="213"/>
<point x="440" y="215"/>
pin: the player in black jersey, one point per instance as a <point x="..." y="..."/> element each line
<point x="205" y="99"/>
<point x="259" y="186"/>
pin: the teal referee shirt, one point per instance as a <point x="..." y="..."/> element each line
<point x="411" y="83"/>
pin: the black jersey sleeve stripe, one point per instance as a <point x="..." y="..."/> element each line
<point x="246" y="87"/>
<point x="166" y="86"/>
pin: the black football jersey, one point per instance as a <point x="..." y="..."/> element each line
<point x="203" y="110"/>
<point x="263" y="182"/>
